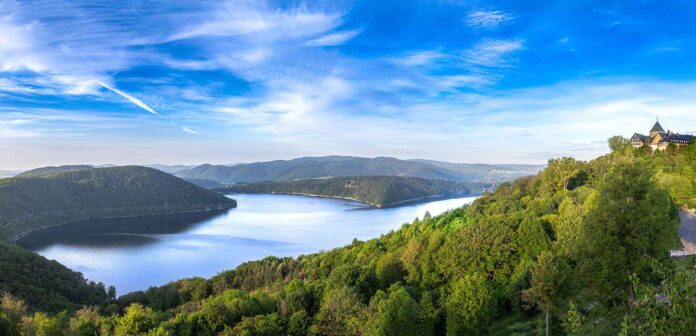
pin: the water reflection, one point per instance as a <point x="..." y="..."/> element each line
<point x="135" y="253"/>
<point x="117" y="232"/>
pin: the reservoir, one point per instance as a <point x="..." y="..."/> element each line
<point x="136" y="253"/>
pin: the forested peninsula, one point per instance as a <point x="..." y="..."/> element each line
<point x="50" y="197"/>
<point x="582" y="248"/>
<point x="378" y="191"/>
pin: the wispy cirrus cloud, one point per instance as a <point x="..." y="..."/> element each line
<point x="420" y="58"/>
<point x="482" y="19"/>
<point x="334" y="39"/>
<point x="493" y="53"/>
<point x="240" y="18"/>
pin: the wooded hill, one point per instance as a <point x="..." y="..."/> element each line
<point x="54" y="198"/>
<point x="579" y="249"/>
<point x="45" y="284"/>
<point x="343" y="166"/>
<point x="43" y="171"/>
<point x="379" y="191"/>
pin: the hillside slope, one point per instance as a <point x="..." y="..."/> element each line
<point x="379" y="191"/>
<point x="329" y="166"/>
<point x="33" y="203"/>
<point x="45" y="284"/>
<point x="561" y="244"/>
<point x="43" y="171"/>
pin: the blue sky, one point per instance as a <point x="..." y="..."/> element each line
<point x="238" y="81"/>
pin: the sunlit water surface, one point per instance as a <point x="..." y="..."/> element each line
<point x="136" y="253"/>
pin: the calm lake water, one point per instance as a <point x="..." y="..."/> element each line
<point x="136" y="253"/>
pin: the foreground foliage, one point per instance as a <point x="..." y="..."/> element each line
<point x="45" y="284"/>
<point x="580" y="249"/>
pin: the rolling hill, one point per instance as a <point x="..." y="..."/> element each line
<point x="43" y="171"/>
<point x="341" y="166"/>
<point x="379" y="191"/>
<point x="208" y="184"/>
<point x="33" y="203"/>
<point x="45" y="284"/>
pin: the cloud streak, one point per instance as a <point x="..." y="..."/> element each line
<point x="130" y="98"/>
<point x="334" y="39"/>
<point x="188" y="130"/>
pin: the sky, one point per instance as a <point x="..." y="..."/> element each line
<point x="189" y="82"/>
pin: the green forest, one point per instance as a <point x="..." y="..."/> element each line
<point x="379" y="191"/>
<point x="45" y="284"/>
<point x="46" y="197"/>
<point x="582" y="248"/>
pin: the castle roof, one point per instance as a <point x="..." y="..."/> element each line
<point x="679" y="138"/>
<point x="657" y="128"/>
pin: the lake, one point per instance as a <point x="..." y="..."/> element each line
<point x="136" y="253"/>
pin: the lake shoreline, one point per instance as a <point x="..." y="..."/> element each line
<point x="412" y="201"/>
<point x="116" y="251"/>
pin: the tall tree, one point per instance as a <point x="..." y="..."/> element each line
<point x="470" y="306"/>
<point x="400" y="315"/>
<point x="633" y="224"/>
<point x="559" y="172"/>
<point x="549" y="279"/>
<point x="617" y="143"/>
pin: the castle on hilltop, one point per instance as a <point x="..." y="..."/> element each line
<point x="659" y="139"/>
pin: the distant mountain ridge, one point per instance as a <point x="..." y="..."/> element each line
<point x="169" y="168"/>
<point x="378" y="191"/>
<point x="42" y="201"/>
<point x="488" y="172"/>
<point x="342" y="166"/>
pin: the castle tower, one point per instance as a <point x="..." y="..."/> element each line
<point x="657" y="128"/>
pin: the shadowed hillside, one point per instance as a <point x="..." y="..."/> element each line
<point x="45" y="284"/>
<point x="33" y="203"/>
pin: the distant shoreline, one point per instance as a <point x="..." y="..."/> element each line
<point x="386" y="206"/>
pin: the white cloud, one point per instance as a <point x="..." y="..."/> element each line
<point x="16" y="42"/>
<point x="130" y="98"/>
<point x="419" y="58"/>
<point x="188" y="130"/>
<point x="457" y="81"/>
<point x="334" y="39"/>
<point x="289" y="104"/>
<point x="487" y="19"/>
<point x="493" y="53"/>
<point x="239" y="18"/>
